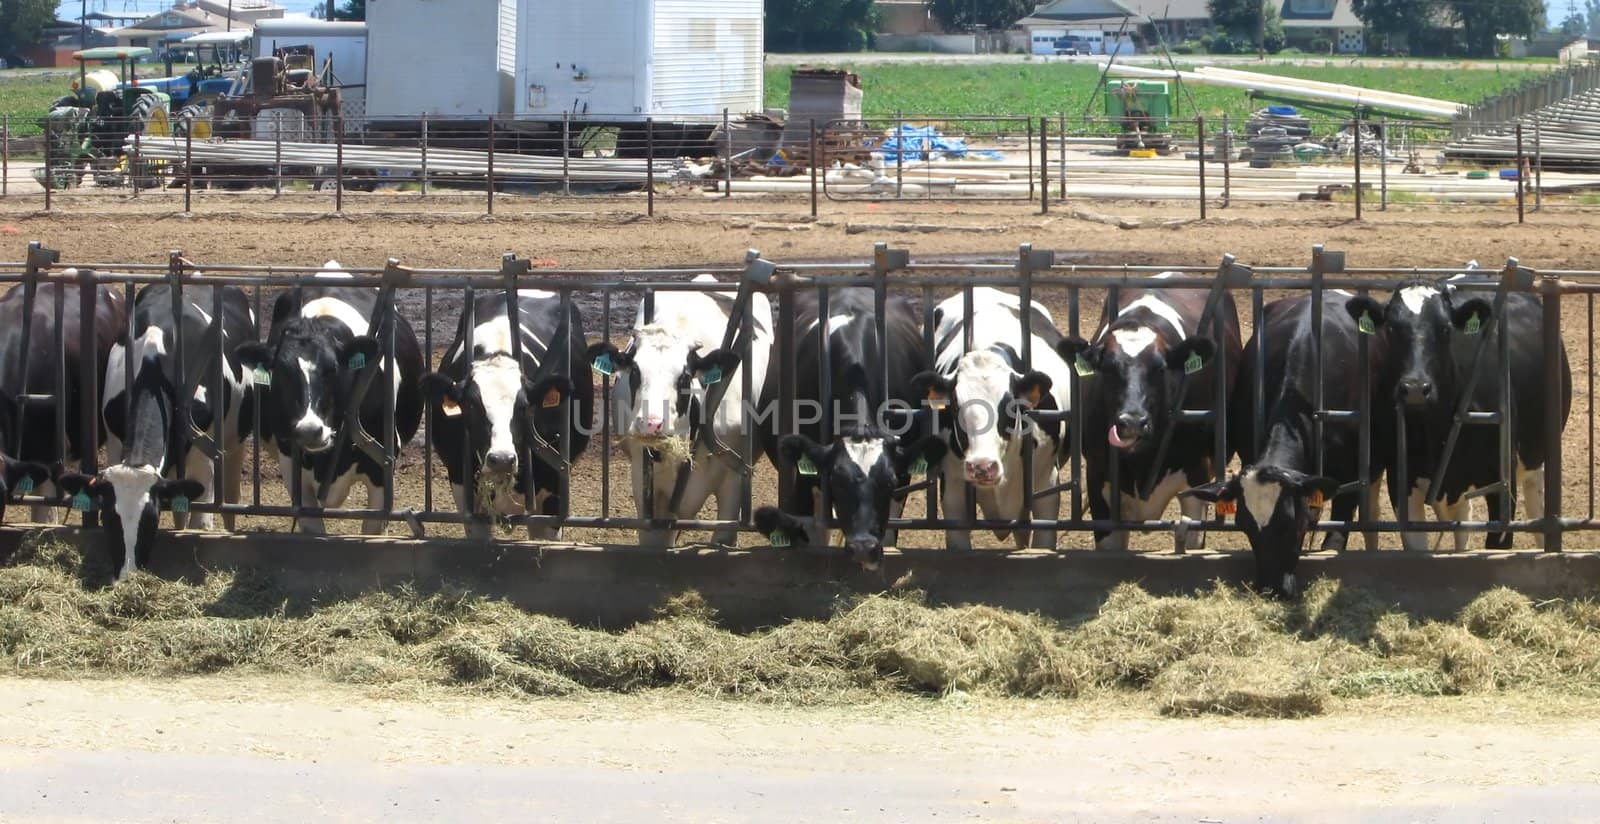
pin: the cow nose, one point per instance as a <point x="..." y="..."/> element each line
<point x="866" y="551"/>
<point x="501" y="461"/>
<point x="1415" y="391"/>
<point x="308" y="432"/>
<point x="983" y="468"/>
<point x="1135" y="423"/>
<point x="652" y="426"/>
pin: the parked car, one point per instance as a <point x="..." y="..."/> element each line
<point x="1073" y="45"/>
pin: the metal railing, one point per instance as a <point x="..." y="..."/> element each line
<point x="607" y="301"/>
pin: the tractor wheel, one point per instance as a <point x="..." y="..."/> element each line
<point x="148" y="119"/>
<point x="194" y="119"/>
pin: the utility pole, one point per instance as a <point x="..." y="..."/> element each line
<point x="330" y="10"/>
<point x="1261" y="31"/>
<point x="230" y="15"/>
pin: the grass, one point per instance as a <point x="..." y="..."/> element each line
<point x="1220" y="651"/>
<point x="26" y="99"/>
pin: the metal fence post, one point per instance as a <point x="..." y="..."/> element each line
<point x="1032" y="181"/>
<point x="5" y="154"/>
<point x="1200" y="137"/>
<point x="900" y="154"/>
<point x="277" y="159"/>
<point x="566" y="153"/>
<point x="1538" y="168"/>
<point x="650" y="166"/>
<point x="1044" y="165"/>
<point x="814" y="148"/>
<point x="490" y="169"/>
<point x="338" y="166"/>
<point x="88" y="384"/>
<point x="424" y="171"/>
<point x="727" y="163"/>
<point x="1554" y="401"/>
<point x="1061" y="141"/>
<point x="188" y="172"/>
<point x="1522" y="177"/>
<point x="1383" y="165"/>
<point x="1358" y="166"/>
<point x="133" y="165"/>
<point x="1225" y="148"/>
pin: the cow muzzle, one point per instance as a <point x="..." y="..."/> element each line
<point x="313" y="437"/>
<point x="500" y="463"/>
<point x="1130" y="428"/>
<point x="866" y="551"/>
<point x="982" y="471"/>
<point x="1415" y="392"/>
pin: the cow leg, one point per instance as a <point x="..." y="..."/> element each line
<point x="727" y="507"/>
<point x="1457" y="510"/>
<point x="1289" y="559"/>
<point x="1191" y="533"/>
<point x="374" y="526"/>
<point x="1497" y="540"/>
<point x="1100" y="510"/>
<point x="199" y="467"/>
<point x="233" y="474"/>
<point x="1344" y="509"/>
<point x="954" y="501"/>
<point x="709" y="476"/>
<point x="1370" y="537"/>
<point x="45" y="514"/>
<point x="1530" y="488"/>
<point x="113" y="450"/>
<point x="476" y="528"/>
<point x="650" y="537"/>
<point x="1415" y="541"/>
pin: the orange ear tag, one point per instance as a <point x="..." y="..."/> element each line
<point x="1226" y="508"/>
<point x="936" y="401"/>
<point x="1315" y="501"/>
<point x="1034" y="395"/>
<point x="450" y="408"/>
<point x="552" y="399"/>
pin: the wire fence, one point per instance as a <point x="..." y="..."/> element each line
<point x="586" y="474"/>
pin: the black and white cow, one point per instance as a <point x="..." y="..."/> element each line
<point x="659" y="397"/>
<point x="1431" y="329"/>
<point x="151" y="441"/>
<point x="981" y="396"/>
<point x="320" y="340"/>
<point x="28" y="367"/>
<point x="1137" y="364"/>
<point x="873" y="447"/>
<point x="491" y="411"/>
<point x="1278" y="494"/>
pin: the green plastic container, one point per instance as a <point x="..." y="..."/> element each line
<point x="1152" y="97"/>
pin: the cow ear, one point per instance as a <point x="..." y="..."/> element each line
<point x="780" y="528"/>
<point x="1178" y="357"/>
<point x="619" y="359"/>
<point x="254" y="355"/>
<point x="795" y="447"/>
<point x="165" y="491"/>
<point x="1463" y="315"/>
<point x="929" y="449"/>
<point x="932" y="387"/>
<point x="1213" y="492"/>
<point x="359" y="353"/>
<point x="1314" y="486"/>
<point x="1031" y="388"/>
<point x="200" y="414"/>
<point x="72" y="483"/>
<point x="436" y="386"/>
<point x="1070" y="348"/>
<point x="18" y="470"/>
<point x="548" y="392"/>
<point x="1362" y="306"/>
<point x="725" y="359"/>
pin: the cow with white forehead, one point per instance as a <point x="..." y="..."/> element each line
<point x="1134" y="371"/>
<point x="663" y="379"/>
<point x="499" y="420"/>
<point x="321" y="341"/>
<point x="1433" y="330"/>
<point x="982" y="397"/>
<point x="157" y="459"/>
<point x="1279" y="495"/>
<point x="872" y="446"/>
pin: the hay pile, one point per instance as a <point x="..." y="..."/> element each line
<point x="1222" y="651"/>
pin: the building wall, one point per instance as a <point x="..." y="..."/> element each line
<point x="906" y="18"/>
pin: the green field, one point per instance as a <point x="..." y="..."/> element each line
<point x="1039" y="89"/>
<point x="26" y="98"/>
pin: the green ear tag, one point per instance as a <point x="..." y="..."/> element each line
<point x="805" y="466"/>
<point x="261" y="376"/>
<point x="920" y="467"/>
<point x="778" y="538"/>
<point x="711" y="377"/>
<point x="25" y="486"/>
<point x="1193" y="364"/>
<point x="1474" y="326"/>
<point x="180" y="504"/>
<point x="603" y="365"/>
<point x="81" y="502"/>
<point x="358" y="361"/>
<point x="1365" y="324"/>
<point x="1082" y="366"/>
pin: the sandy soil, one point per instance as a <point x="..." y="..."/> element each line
<point x="259" y="749"/>
<point x="609" y="232"/>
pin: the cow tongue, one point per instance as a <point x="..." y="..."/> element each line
<point x="1116" y="440"/>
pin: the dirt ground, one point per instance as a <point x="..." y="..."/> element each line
<point x="611" y="233"/>
<point x="198" y="749"/>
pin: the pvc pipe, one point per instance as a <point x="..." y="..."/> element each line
<point x="1268" y="85"/>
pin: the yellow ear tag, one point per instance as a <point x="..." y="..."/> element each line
<point x="1315" y="501"/>
<point x="936" y="401"/>
<point x="450" y="408"/>
<point x="552" y="399"/>
<point x="1226" y="508"/>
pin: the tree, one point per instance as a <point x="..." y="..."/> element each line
<point x="1576" y="25"/>
<point x="351" y="10"/>
<point x="1482" y="20"/>
<point x="820" y="25"/>
<point x="1392" y="19"/>
<point x="964" y="15"/>
<point x="22" y="21"/>
<point x="1243" y="22"/>
<point x="1594" y="18"/>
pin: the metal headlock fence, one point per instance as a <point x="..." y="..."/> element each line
<point x="606" y="303"/>
<point x="1042" y="162"/>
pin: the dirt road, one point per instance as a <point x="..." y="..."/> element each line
<point x="259" y="749"/>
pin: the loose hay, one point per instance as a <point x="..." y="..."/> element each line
<point x="1221" y="651"/>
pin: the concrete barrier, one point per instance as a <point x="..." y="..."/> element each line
<point x="617" y="586"/>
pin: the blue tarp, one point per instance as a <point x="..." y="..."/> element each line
<point x="915" y="143"/>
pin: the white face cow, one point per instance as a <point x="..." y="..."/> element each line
<point x="989" y="399"/>
<point x="666" y="376"/>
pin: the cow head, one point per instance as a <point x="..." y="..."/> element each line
<point x="313" y="366"/>
<point x="1277" y="506"/>
<point x="130" y="500"/>
<point x="1139" y="374"/>
<point x="863" y="470"/>
<point x="1419" y="323"/>
<point x="502" y="409"/>
<point x="668" y="379"/>
<point x="19" y="478"/>
<point x="148" y="421"/>
<point x="983" y="405"/>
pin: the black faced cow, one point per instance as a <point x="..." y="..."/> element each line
<point x="981" y="396"/>
<point x="28" y="366"/>
<point x="320" y="341"/>
<point x="872" y="448"/>
<point x="1279" y="494"/>
<point x="151" y="438"/>
<point x="498" y="420"/>
<point x="1137" y="364"/>
<point x="658" y="405"/>
<point x="1433" y="330"/>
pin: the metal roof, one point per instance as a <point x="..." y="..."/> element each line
<point x="1078" y="10"/>
<point x="207" y="38"/>
<point x="113" y="53"/>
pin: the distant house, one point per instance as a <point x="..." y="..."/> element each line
<point x="191" y="18"/>
<point x="1307" y="21"/>
<point x="1091" y="25"/>
<point x="906" y="18"/>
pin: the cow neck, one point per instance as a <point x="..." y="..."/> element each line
<point x="1290" y="437"/>
<point x="151" y="425"/>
